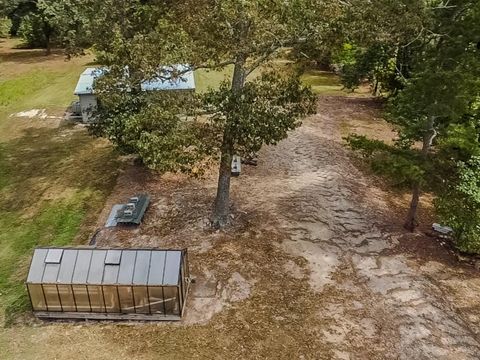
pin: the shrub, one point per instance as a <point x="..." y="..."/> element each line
<point x="459" y="206"/>
<point x="31" y="30"/>
<point x="5" y="27"/>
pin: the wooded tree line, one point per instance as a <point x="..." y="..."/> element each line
<point x="431" y="76"/>
<point x="421" y="55"/>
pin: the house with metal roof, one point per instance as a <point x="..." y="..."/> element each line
<point x="110" y="284"/>
<point x="85" y="88"/>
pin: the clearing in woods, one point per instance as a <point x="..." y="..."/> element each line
<point x="315" y="267"/>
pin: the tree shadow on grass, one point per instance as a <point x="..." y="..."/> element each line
<point x="53" y="184"/>
<point x="48" y="163"/>
<point x="29" y="56"/>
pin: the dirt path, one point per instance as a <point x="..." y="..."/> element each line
<point x="375" y="304"/>
<point x="312" y="268"/>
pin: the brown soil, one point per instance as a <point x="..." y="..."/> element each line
<point x="315" y="265"/>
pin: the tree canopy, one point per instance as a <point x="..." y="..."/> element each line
<point x="421" y="55"/>
<point x="439" y="106"/>
<point x="240" y="116"/>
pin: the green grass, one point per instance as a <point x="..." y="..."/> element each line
<point x="38" y="89"/>
<point x="13" y="90"/>
<point x="205" y="79"/>
<point x="53" y="180"/>
<point x="56" y="223"/>
<point x="50" y="185"/>
<point x="322" y="82"/>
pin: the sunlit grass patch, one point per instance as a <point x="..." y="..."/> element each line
<point x="323" y="82"/>
<point x="51" y="187"/>
<point x="15" y="90"/>
<point x="206" y="79"/>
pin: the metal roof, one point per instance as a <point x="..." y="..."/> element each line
<point x="105" y="266"/>
<point x="86" y="80"/>
<point x="186" y="81"/>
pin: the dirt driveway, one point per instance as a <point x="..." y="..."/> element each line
<point x="312" y="269"/>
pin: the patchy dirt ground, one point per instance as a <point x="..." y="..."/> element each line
<point x="315" y="267"/>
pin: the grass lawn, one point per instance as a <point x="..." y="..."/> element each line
<point x="54" y="177"/>
<point x="321" y="82"/>
<point x="205" y="79"/>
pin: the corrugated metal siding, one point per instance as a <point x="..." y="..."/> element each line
<point x="105" y="267"/>
<point x="86" y="80"/>
<point x="186" y="81"/>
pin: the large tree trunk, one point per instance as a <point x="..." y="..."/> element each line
<point x="411" y="221"/>
<point x="222" y="202"/>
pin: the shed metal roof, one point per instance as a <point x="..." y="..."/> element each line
<point x="186" y="81"/>
<point x="105" y="266"/>
<point x="86" y="80"/>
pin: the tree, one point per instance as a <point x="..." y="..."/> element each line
<point x="459" y="206"/>
<point x="214" y="34"/>
<point x="43" y="23"/>
<point x="380" y="41"/>
<point x="451" y="67"/>
<point x="442" y="93"/>
<point x="5" y="26"/>
<point x="64" y="23"/>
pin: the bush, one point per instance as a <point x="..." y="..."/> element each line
<point x="459" y="206"/>
<point x="5" y="27"/>
<point x="403" y="167"/>
<point x="31" y="30"/>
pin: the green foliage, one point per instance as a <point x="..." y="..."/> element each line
<point x="459" y="205"/>
<point x="437" y="104"/>
<point x="43" y="23"/>
<point x="461" y="142"/>
<point x="31" y="30"/>
<point x="164" y="130"/>
<point x="403" y="167"/>
<point x="209" y="34"/>
<point x="155" y="126"/>
<point x="380" y="40"/>
<point x="67" y="22"/>
<point x="375" y="64"/>
<point x="5" y="27"/>
<point x="260" y="114"/>
<point x="367" y="147"/>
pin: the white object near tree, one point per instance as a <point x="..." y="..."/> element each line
<point x="236" y="165"/>
<point x="445" y="230"/>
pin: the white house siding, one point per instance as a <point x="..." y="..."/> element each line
<point x="88" y="103"/>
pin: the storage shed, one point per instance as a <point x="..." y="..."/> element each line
<point x="122" y="284"/>
<point x="87" y="103"/>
